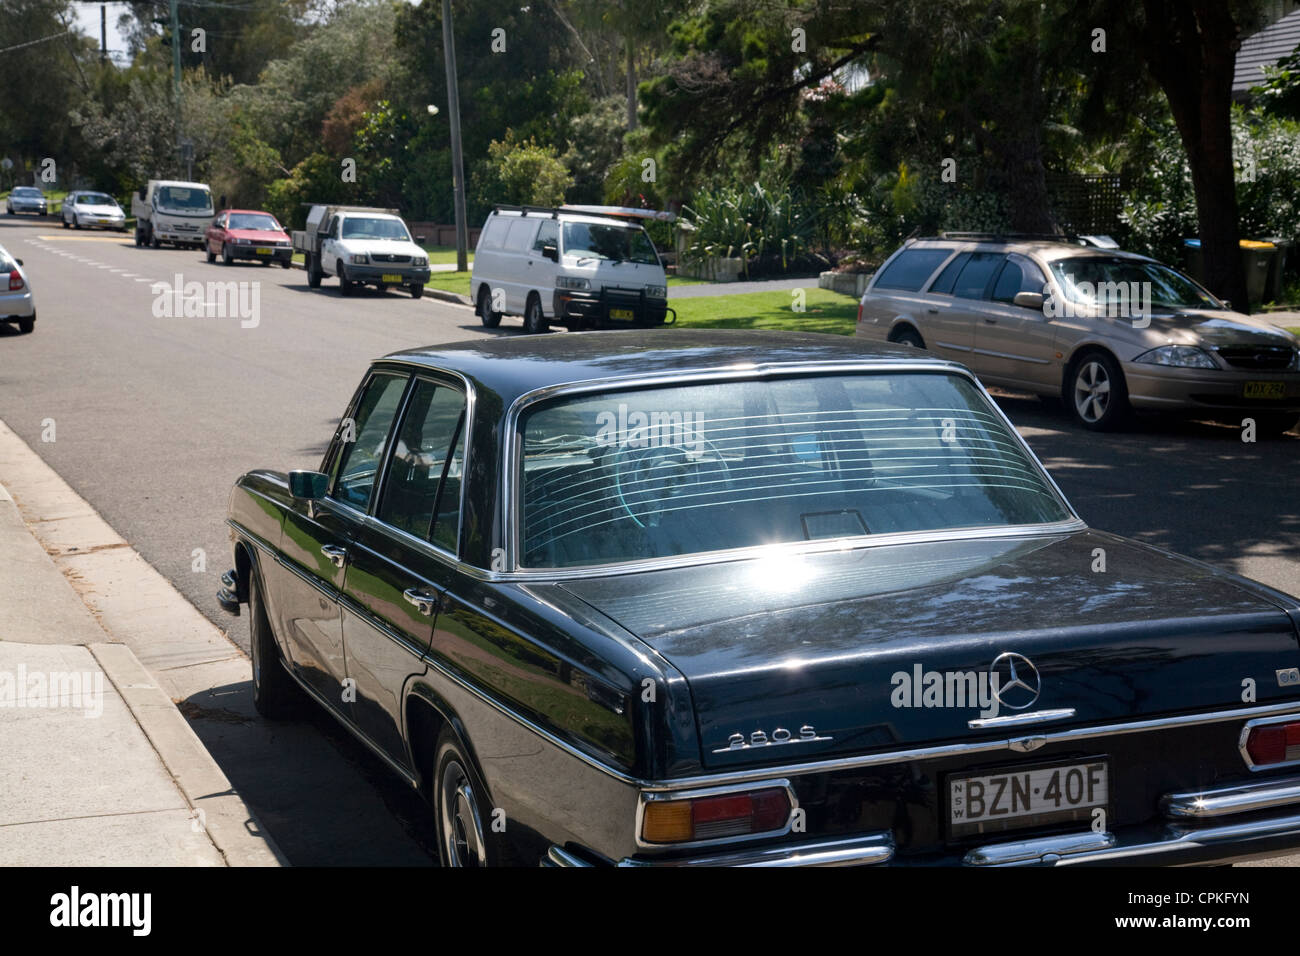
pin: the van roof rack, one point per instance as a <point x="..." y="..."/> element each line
<point x="620" y="213"/>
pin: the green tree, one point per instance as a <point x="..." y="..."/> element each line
<point x="522" y="173"/>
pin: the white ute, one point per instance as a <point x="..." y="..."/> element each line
<point x="361" y="246"/>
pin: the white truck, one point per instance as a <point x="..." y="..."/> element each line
<point x="360" y="245"/>
<point x="168" y="210"/>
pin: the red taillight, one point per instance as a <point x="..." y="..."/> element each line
<point x="859" y="311"/>
<point x="1273" y="743"/>
<point x="710" y="818"/>
<point x="15" y="280"/>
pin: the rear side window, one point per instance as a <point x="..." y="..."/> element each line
<point x="974" y="278"/>
<point x="418" y="466"/>
<point x="948" y="277"/>
<point x="910" y="269"/>
<point x="494" y="235"/>
<point x="521" y="234"/>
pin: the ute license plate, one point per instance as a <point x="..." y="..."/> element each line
<point x="263" y="251"/>
<point x="1026" y="797"/>
<point x="622" y="314"/>
<point x="1264" y="390"/>
<point x="390" y="277"/>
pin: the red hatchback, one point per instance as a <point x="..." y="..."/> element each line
<point x="248" y="234"/>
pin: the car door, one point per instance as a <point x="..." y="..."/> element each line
<point x="217" y="234"/>
<point x="1016" y="344"/>
<point x="541" y="270"/>
<point x="964" y="304"/>
<point x="517" y="272"/>
<point x="392" y="590"/>
<point x="318" y="537"/>
<point x="329" y="247"/>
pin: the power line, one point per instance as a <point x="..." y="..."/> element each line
<point x="52" y="36"/>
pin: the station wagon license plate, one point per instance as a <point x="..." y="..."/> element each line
<point x="622" y="314"/>
<point x="389" y="277"/>
<point x="1026" y="797"/>
<point x="263" y="251"/>
<point x="1264" y="390"/>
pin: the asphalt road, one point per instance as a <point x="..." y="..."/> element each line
<point x="156" y="416"/>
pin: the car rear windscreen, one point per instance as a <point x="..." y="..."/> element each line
<point x="662" y="472"/>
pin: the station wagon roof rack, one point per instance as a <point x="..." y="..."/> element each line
<point x="1013" y="237"/>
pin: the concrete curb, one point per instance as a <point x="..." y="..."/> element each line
<point x="180" y="652"/>
<point x="229" y="823"/>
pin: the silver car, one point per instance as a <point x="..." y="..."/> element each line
<point x="83" y="210"/>
<point x="1106" y="331"/>
<point x="26" y="199"/>
<point x="16" y="303"/>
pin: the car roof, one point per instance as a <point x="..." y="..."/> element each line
<point x="250" y="212"/>
<point x="513" y="365"/>
<point x="1046" y="249"/>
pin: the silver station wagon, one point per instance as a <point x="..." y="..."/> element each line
<point x="1106" y="331"/>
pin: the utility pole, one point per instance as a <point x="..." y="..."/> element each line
<point x="176" y="68"/>
<point x="103" y="33"/>
<point x="457" y="161"/>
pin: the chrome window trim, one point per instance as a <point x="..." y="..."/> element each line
<point x="510" y="480"/>
<point x="645" y="798"/>
<point x="1245" y="755"/>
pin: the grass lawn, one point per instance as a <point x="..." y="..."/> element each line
<point x="825" y="311"/>
<point x="445" y="255"/>
<point x="682" y="280"/>
<point x="450" y="282"/>
<point x="1294" y="330"/>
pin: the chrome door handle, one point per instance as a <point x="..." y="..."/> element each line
<point x="336" y="554"/>
<point x="933" y="311"/>
<point x="990" y="321"/>
<point x="424" y="602"/>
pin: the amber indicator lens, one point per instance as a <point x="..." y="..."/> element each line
<point x="709" y="818"/>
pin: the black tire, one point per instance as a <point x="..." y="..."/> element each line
<point x="226" y="257"/>
<point x="27" y="325"/>
<point x="489" y="318"/>
<point x="534" y="318"/>
<point x="153" y="241"/>
<point x="1274" y="424"/>
<point x="65" y="224"/>
<point x="285" y="263"/>
<point x="461" y="811"/>
<point x="313" y="271"/>
<point x="76" y="223"/>
<point x="345" y="287"/>
<point x="139" y="239"/>
<point x="417" y="292"/>
<point x="1095" y="392"/>
<point x="275" y="695"/>
<point x="212" y="256"/>
<point x="906" y="335"/>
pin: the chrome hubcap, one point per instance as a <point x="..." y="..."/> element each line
<point x="1091" y="391"/>
<point x="462" y="830"/>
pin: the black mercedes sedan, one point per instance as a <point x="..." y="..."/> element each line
<point x="741" y="598"/>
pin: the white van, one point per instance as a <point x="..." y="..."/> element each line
<point x="577" y="266"/>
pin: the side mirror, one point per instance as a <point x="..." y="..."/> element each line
<point x="1029" y="300"/>
<point x="1226" y="304"/>
<point x="308" y="484"/>
<point x="551" y="252"/>
<point x="19" y="261"/>
<point x="419" y="240"/>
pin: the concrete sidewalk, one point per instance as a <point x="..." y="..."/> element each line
<point x="97" y="765"/>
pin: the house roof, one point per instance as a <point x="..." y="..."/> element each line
<point x="1262" y="49"/>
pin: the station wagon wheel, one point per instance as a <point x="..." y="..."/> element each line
<point x="489" y="318"/>
<point x="907" y="336"/>
<point x="460" y="810"/>
<point x="1096" y="392"/>
<point x="275" y="695"/>
<point x="534" y="317"/>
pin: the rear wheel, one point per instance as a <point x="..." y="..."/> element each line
<point x="906" y="335"/>
<point x="534" y="317"/>
<point x="489" y="318"/>
<point x="139" y="238"/>
<point x="313" y="271"/>
<point x="464" y="818"/>
<point x="1096" y="393"/>
<point x="25" y="326"/>
<point x="275" y="695"/>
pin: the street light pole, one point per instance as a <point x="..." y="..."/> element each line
<point x="457" y="161"/>
<point x="176" y="69"/>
